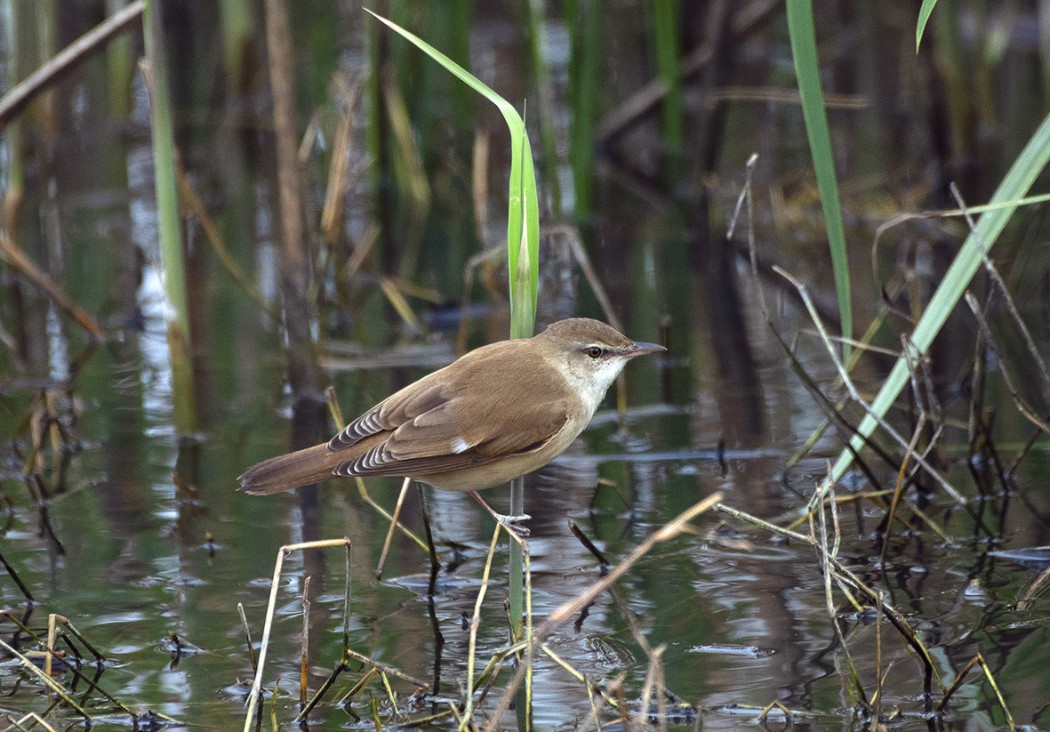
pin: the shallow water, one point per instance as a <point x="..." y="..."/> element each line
<point x="132" y="556"/>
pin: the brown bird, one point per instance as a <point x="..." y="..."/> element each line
<point x="498" y="412"/>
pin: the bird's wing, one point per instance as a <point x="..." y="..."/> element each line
<point x="439" y="440"/>
<point x="397" y="409"/>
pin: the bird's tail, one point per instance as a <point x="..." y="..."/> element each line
<point x="293" y="470"/>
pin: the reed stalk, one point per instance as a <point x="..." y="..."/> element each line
<point x="665" y="39"/>
<point x="585" y="40"/>
<point x="169" y="225"/>
<point x="807" y="68"/>
<point x="1006" y="199"/>
<point x="523" y="256"/>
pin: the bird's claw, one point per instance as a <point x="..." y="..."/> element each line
<point x="514" y="523"/>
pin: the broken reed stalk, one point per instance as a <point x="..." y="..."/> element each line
<point x="65" y="60"/>
<point x="256" y="690"/>
<point x="845" y="575"/>
<point x="54" y="621"/>
<point x="248" y="637"/>
<point x="60" y="691"/>
<point x="978" y="660"/>
<point x="304" y="645"/>
<point x="11" y="253"/>
<point x="395" y="522"/>
<point x="856" y="396"/>
<point x="342" y="665"/>
<point x="475" y="623"/>
<point x="565" y="611"/>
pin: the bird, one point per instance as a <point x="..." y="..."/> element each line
<point x="492" y="415"/>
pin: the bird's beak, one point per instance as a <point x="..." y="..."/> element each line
<point x="640" y="349"/>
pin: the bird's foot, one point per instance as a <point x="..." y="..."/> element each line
<point x="511" y="523"/>
<point x="514" y="523"/>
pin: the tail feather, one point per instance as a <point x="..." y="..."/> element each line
<point x="293" y="470"/>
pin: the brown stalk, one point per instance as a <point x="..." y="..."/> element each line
<point x="846" y="575"/>
<point x="256" y="690"/>
<point x="978" y="660"/>
<point x="567" y="610"/>
<point x="303" y="373"/>
<point x="338" y="171"/>
<point x="248" y="637"/>
<point x="304" y="647"/>
<point x="65" y="60"/>
<point x="196" y="206"/>
<point x="16" y="258"/>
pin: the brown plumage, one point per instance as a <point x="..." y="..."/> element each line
<point x="497" y="412"/>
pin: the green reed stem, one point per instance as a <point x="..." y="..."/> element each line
<point x="807" y="68"/>
<point x="168" y="223"/>
<point x="523" y="243"/>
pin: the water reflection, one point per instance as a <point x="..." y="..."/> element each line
<point x="149" y="538"/>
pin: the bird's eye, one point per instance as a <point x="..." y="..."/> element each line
<point x="594" y="351"/>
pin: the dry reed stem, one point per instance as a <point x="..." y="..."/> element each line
<point x="256" y="690"/>
<point x="898" y="489"/>
<point x="55" y="620"/>
<point x="978" y="660"/>
<point x="248" y="637"/>
<point x="385" y="669"/>
<point x="479" y="180"/>
<point x="365" y="243"/>
<point x="856" y="396"/>
<point x="571" y="607"/>
<point x="993" y="274"/>
<point x="592" y="687"/>
<point x="827" y="555"/>
<point x="307" y="706"/>
<point x="1032" y="590"/>
<point x="475" y="622"/>
<point x="65" y="60"/>
<point x="18" y="260"/>
<point x="53" y="685"/>
<point x="35" y="719"/>
<point x="304" y="374"/>
<point x="338" y="170"/>
<point x="845" y="575"/>
<point x="880" y="677"/>
<point x="788" y="714"/>
<point x="597" y="706"/>
<point x="196" y="206"/>
<point x="18" y="582"/>
<point x="1015" y="395"/>
<point x="304" y="644"/>
<point x="654" y="685"/>
<point x="394" y="522"/>
<point x="389" y="288"/>
<point x="370" y="674"/>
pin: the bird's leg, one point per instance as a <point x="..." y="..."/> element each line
<point x="511" y="522"/>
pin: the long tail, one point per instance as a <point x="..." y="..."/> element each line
<point x="295" y="469"/>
